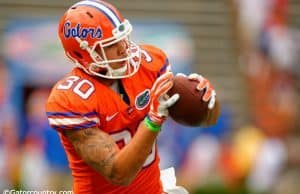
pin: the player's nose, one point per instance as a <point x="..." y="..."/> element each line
<point x="122" y="48"/>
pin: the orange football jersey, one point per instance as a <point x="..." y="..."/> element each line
<point x="81" y="101"/>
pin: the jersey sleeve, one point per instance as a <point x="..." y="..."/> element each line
<point x="68" y="111"/>
<point x="157" y="58"/>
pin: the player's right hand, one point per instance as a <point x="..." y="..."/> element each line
<point x="203" y="84"/>
<point x="160" y="102"/>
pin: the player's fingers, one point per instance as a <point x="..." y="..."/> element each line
<point x="163" y="88"/>
<point x="196" y="77"/>
<point x="172" y="100"/>
<point x="165" y="77"/>
<point x="203" y="84"/>
<point x="181" y="74"/>
<point x="207" y="95"/>
<point x="193" y="76"/>
<point x="212" y="100"/>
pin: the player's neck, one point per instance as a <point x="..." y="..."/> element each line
<point x="107" y="82"/>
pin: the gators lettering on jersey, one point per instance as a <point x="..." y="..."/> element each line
<point x="80" y="101"/>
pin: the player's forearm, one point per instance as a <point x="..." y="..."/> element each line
<point x="131" y="158"/>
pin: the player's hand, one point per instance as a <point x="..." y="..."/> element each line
<point x="160" y="102"/>
<point x="204" y="84"/>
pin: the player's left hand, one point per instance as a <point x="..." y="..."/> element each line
<point x="160" y="102"/>
<point x="204" y="84"/>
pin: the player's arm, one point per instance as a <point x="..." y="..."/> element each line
<point x="101" y="152"/>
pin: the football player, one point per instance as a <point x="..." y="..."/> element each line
<point x="110" y="108"/>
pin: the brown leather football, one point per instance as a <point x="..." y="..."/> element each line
<point x="190" y="109"/>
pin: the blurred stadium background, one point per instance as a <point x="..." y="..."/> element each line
<point x="249" y="49"/>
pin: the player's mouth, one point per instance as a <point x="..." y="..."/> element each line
<point x="118" y="65"/>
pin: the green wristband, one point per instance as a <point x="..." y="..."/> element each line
<point x="151" y="126"/>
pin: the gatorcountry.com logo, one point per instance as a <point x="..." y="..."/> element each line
<point x="81" y="32"/>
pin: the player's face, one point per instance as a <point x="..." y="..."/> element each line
<point x="117" y="51"/>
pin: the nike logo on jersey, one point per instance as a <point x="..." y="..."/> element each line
<point x="110" y="117"/>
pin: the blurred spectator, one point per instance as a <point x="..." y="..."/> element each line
<point x="200" y="162"/>
<point x="8" y="134"/>
<point x="250" y="24"/>
<point x="289" y="181"/>
<point x="267" y="166"/>
<point x="273" y="82"/>
<point x="270" y="54"/>
<point x="42" y="149"/>
<point x="203" y="146"/>
<point x="275" y="110"/>
<point x="172" y="140"/>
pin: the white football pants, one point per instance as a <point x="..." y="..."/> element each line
<point x="168" y="179"/>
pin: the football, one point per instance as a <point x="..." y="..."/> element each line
<point x="190" y="109"/>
